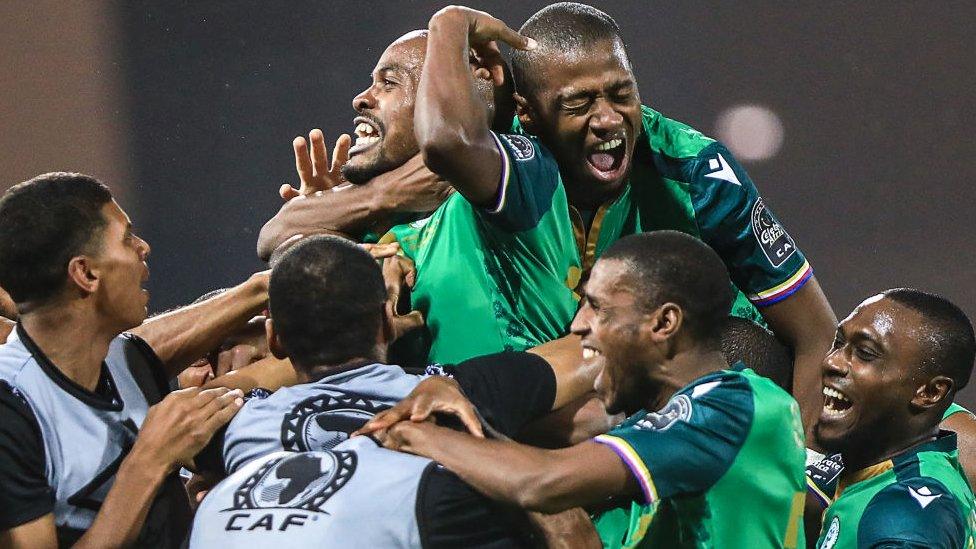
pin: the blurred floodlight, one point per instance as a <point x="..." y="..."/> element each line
<point x="751" y="132"/>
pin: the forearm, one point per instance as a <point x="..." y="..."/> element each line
<point x="805" y="322"/>
<point x="268" y="373"/>
<point x="450" y="119"/>
<point x="352" y="210"/>
<point x="505" y="471"/>
<point x="181" y="336"/>
<point x="124" y="510"/>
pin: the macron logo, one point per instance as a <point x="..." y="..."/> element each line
<point x="725" y="173"/>
<point x="923" y="495"/>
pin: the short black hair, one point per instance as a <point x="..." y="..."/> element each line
<point x="746" y="341"/>
<point x="326" y="299"/>
<point x="561" y="27"/>
<point x="670" y="266"/>
<point x="946" y="336"/>
<point x="44" y="222"/>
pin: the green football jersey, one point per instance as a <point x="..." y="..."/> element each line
<point x="685" y="181"/>
<point x="721" y="465"/>
<point x="497" y="279"/>
<point x="919" y="498"/>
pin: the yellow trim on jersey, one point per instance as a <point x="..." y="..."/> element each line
<point x="779" y="288"/>
<point x="633" y="462"/>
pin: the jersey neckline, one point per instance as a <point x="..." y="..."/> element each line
<point x="106" y="399"/>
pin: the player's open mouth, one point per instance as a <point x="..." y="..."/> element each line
<point x="607" y="159"/>
<point x="836" y="404"/>
<point x="368" y="133"/>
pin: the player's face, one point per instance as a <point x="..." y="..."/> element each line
<point x="384" y="126"/>
<point x="609" y="323"/>
<point x="587" y="111"/>
<point x="868" y="377"/>
<point x="121" y="268"/>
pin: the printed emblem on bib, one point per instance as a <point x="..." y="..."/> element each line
<point x="830" y="538"/>
<point x="521" y="147"/>
<point x="678" y="409"/>
<point x="322" y="422"/>
<point x="775" y="243"/>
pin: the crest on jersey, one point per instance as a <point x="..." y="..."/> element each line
<point x="830" y="538"/>
<point x="677" y="409"/>
<point x="772" y="237"/>
<point x="520" y="146"/>
<point x="300" y="481"/>
<point x="322" y="422"/>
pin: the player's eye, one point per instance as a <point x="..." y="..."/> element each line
<point x="576" y="105"/>
<point x="865" y="354"/>
<point x="387" y="83"/>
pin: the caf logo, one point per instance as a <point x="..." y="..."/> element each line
<point x="678" y="409"/>
<point x="830" y="538"/>
<point x="322" y="422"/>
<point x="297" y="481"/>
<point x="776" y="244"/>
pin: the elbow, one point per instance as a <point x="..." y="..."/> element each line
<point x="441" y="153"/>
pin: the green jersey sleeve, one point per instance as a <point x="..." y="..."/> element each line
<point x="920" y="512"/>
<point x="764" y="261"/>
<point x="685" y="447"/>
<point x="529" y="181"/>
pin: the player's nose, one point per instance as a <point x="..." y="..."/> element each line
<point x="605" y="118"/>
<point x="365" y="100"/>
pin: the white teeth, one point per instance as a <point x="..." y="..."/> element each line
<point x="612" y="144"/>
<point x="589" y="353"/>
<point x="365" y="130"/>
<point x="364" y="141"/>
<point x="834" y="393"/>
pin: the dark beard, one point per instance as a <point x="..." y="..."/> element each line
<point x="360" y="174"/>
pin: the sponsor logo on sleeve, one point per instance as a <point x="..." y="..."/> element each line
<point x="830" y="538"/>
<point x="722" y="170"/>
<point x="775" y="243"/>
<point x="286" y="492"/>
<point x="322" y="422"/>
<point x="520" y="146"/>
<point x="924" y="496"/>
<point x="678" y="409"/>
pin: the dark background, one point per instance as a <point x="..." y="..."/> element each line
<point x="189" y="109"/>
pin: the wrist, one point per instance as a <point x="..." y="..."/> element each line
<point x="144" y="465"/>
<point x="255" y="290"/>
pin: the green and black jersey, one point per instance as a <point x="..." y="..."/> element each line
<point x="721" y="465"/>
<point x="498" y="279"/>
<point x="685" y="181"/>
<point x="917" y="499"/>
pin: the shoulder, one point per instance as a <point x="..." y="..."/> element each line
<point x="919" y="510"/>
<point x="672" y="138"/>
<point x="14" y="356"/>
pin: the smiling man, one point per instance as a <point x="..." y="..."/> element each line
<point x="629" y="169"/>
<point x="895" y="365"/>
<point x="701" y="439"/>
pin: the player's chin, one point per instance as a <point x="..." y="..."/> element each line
<point x="832" y="431"/>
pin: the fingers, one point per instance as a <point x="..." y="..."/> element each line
<point x="465" y="412"/>
<point x="340" y="155"/>
<point x="196" y="374"/>
<point x="404" y="324"/>
<point x="229" y="403"/>
<point x="303" y="164"/>
<point x="320" y="166"/>
<point x="287" y="192"/>
<point x="382" y="251"/>
<point x="381" y="421"/>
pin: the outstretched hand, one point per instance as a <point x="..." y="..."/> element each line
<point x="314" y="170"/>
<point x="433" y="395"/>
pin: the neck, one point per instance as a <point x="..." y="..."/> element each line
<point x="873" y="453"/>
<point x="682" y="369"/>
<point x="312" y="374"/>
<point x="72" y="337"/>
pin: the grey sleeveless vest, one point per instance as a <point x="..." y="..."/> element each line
<point x="356" y="495"/>
<point x="314" y="416"/>
<point x="86" y="439"/>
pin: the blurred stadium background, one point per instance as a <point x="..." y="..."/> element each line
<point x="854" y="120"/>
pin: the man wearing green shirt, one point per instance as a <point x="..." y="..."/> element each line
<point x="716" y="451"/>
<point x="889" y="380"/>
<point x="629" y="169"/>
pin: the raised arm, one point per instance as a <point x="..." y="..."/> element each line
<point x="181" y="336"/>
<point x="451" y="119"/>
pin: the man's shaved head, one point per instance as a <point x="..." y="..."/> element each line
<point x="565" y="29"/>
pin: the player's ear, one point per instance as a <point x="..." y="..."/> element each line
<point x="274" y="342"/>
<point x="934" y="392"/>
<point x="663" y="323"/>
<point x="525" y="114"/>
<point x="83" y="274"/>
